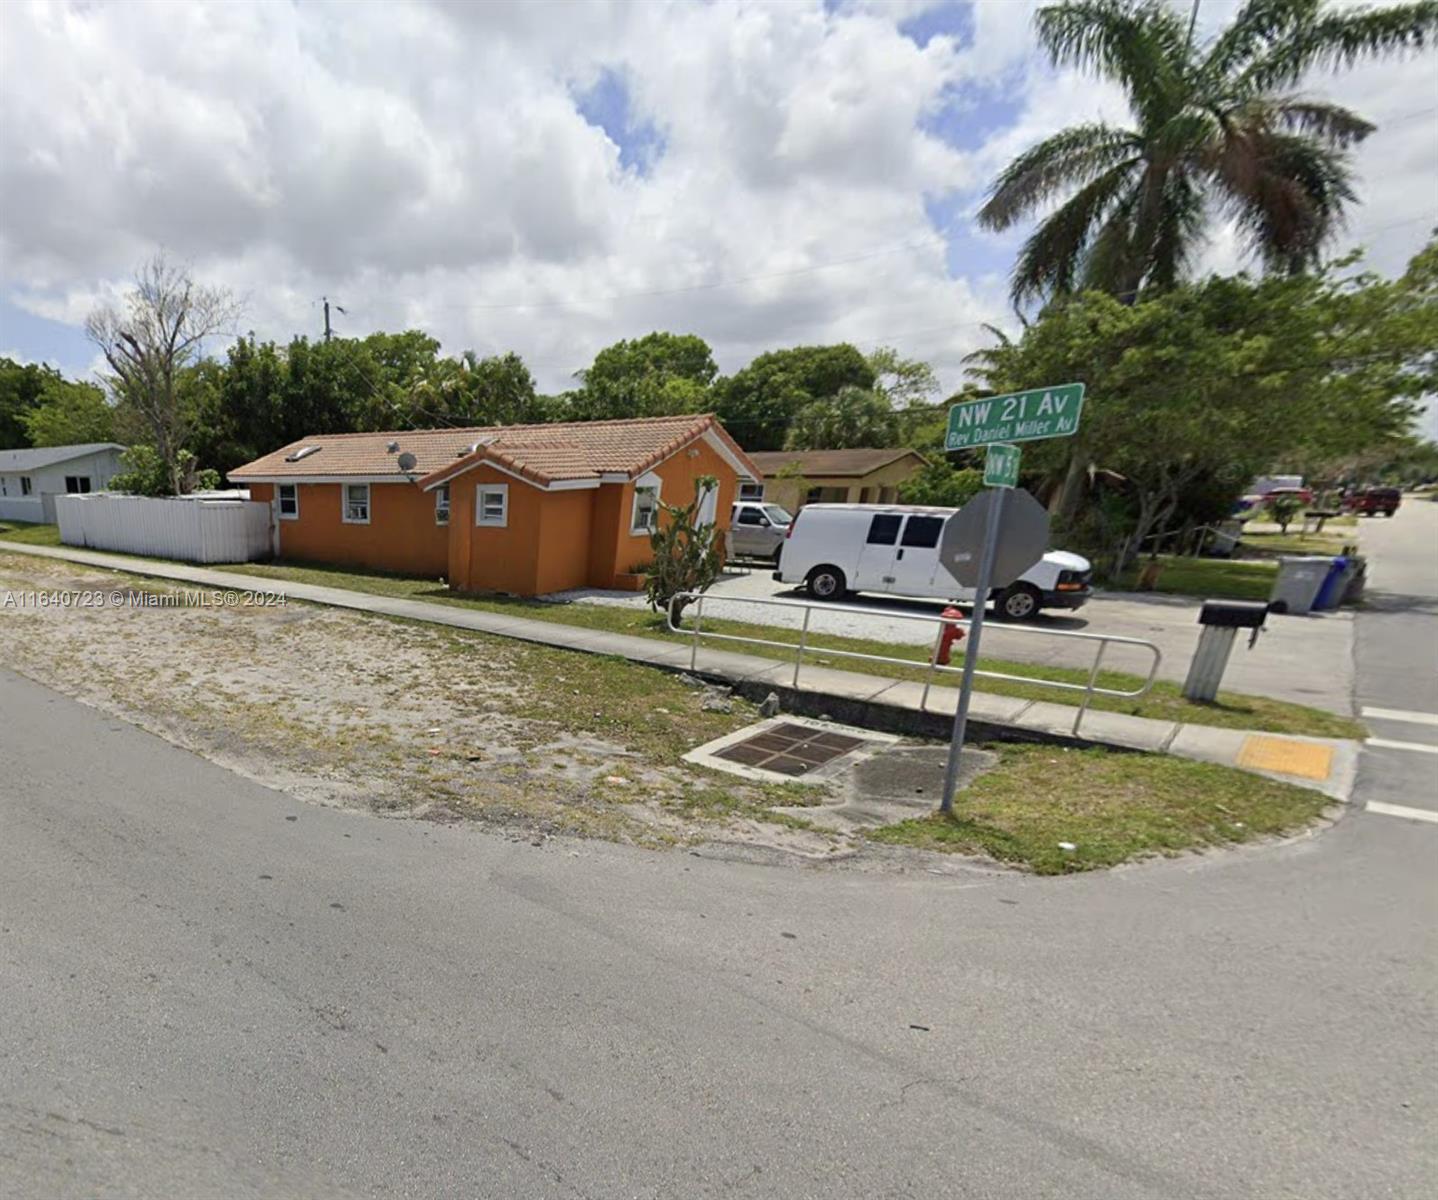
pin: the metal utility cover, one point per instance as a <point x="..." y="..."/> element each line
<point x="1023" y="538"/>
<point x="790" y="749"/>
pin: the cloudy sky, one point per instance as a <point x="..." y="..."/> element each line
<point x="550" y="177"/>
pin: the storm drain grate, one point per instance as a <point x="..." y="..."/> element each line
<point x="790" y="749"/>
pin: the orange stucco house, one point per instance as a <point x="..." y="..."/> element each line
<point x="523" y="509"/>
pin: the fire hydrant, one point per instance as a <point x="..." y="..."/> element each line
<point x="952" y="633"/>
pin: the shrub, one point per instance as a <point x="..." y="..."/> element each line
<point x="687" y="555"/>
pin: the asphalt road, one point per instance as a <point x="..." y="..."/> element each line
<point x="211" y="989"/>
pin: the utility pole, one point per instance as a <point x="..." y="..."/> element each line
<point x="328" y="331"/>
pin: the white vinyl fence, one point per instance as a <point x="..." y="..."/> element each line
<point x="189" y="528"/>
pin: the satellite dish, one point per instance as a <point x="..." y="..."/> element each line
<point x="406" y="461"/>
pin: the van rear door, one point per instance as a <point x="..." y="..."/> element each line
<point x="873" y="571"/>
<point x="917" y="556"/>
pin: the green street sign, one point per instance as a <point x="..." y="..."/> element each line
<point x="1017" y="417"/>
<point x="1001" y="466"/>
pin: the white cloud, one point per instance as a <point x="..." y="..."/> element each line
<point x="427" y="164"/>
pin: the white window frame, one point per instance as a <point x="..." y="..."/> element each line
<point x="492" y="489"/>
<point x="441" y="504"/>
<point x="25" y="485"/>
<point x="345" y="504"/>
<point x="645" y="483"/>
<point x="280" y="501"/>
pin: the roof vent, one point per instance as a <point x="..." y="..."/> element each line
<point x="302" y="452"/>
<point x="392" y="447"/>
<point x="486" y="440"/>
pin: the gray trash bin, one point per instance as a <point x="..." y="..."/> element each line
<point x="1297" y="584"/>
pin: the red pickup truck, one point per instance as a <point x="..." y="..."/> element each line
<point x="1372" y="501"/>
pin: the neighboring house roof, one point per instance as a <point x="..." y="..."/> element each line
<point x="579" y="453"/>
<point x="48" y="456"/>
<point x="831" y="463"/>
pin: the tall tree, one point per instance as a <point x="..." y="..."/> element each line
<point x="22" y="388"/>
<point x="903" y="381"/>
<point x="1217" y="127"/>
<point x="758" y="404"/>
<point x="1204" y="385"/>
<point x="469" y="390"/>
<point x="70" y="414"/>
<point x="150" y="339"/>
<point x="854" y="419"/>
<point x="656" y="375"/>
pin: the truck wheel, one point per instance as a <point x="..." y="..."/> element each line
<point x="1018" y="602"/>
<point x="827" y="583"/>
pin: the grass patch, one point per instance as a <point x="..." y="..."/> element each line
<point x="1206" y="578"/>
<point x="1112" y="807"/>
<point x="1164" y="702"/>
<point x="1270" y="545"/>
<point x="30" y="534"/>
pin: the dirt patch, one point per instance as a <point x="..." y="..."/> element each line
<point x="397" y="717"/>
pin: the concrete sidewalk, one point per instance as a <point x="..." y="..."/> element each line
<point x="1325" y="764"/>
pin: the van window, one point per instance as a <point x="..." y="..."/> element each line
<point x="923" y="532"/>
<point x="884" y="529"/>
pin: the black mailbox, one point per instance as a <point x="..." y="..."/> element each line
<point x="1233" y="614"/>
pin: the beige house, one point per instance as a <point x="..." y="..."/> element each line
<point x="795" y="478"/>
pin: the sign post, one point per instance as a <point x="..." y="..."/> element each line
<point x="996" y="422"/>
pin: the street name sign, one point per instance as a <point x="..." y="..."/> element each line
<point x="1016" y="417"/>
<point x="1021" y="539"/>
<point x="1001" y="465"/>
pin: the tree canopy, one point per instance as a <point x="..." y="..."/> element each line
<point x="1208" y="384"/>
<point x="655" y="375"/>
<point x="758" y="403"/>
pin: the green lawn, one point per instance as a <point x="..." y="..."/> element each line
<point x="1206" y="578"/>
<point x="1265" y="545"/>
<point x="29" y="534"/>
<point x="1164" y="702"/>
<point x="1110" y="807"/>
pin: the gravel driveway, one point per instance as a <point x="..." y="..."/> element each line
<point x="1307" y="660"/>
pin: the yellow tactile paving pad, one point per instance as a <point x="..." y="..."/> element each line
<point x="1304" y="760"/>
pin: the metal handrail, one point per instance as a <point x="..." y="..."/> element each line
<point x="1090" y="688"/>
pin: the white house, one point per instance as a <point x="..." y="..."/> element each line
<point x="31" y="479"/>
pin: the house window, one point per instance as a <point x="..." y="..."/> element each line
<point x="4" y="491"/>
<point x="77" y="484"/>
<point x="24" y="485"/>
<point x="356" y="504"/>
<point x="646" y="509"/>
<point x="441" y="504"/>
<point x="289" y="497"/>
<point x="751" y="491"/>
<point x="491" y="504"/>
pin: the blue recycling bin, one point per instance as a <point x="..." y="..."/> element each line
<point x="1330" y="592"/>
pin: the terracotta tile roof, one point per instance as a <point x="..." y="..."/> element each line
<point x="840" y="463"/>
<point x="542" y="453"/>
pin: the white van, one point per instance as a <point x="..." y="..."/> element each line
<point x="837" y="548"/>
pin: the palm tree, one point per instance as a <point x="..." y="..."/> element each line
<point x="1217" y="129"/>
